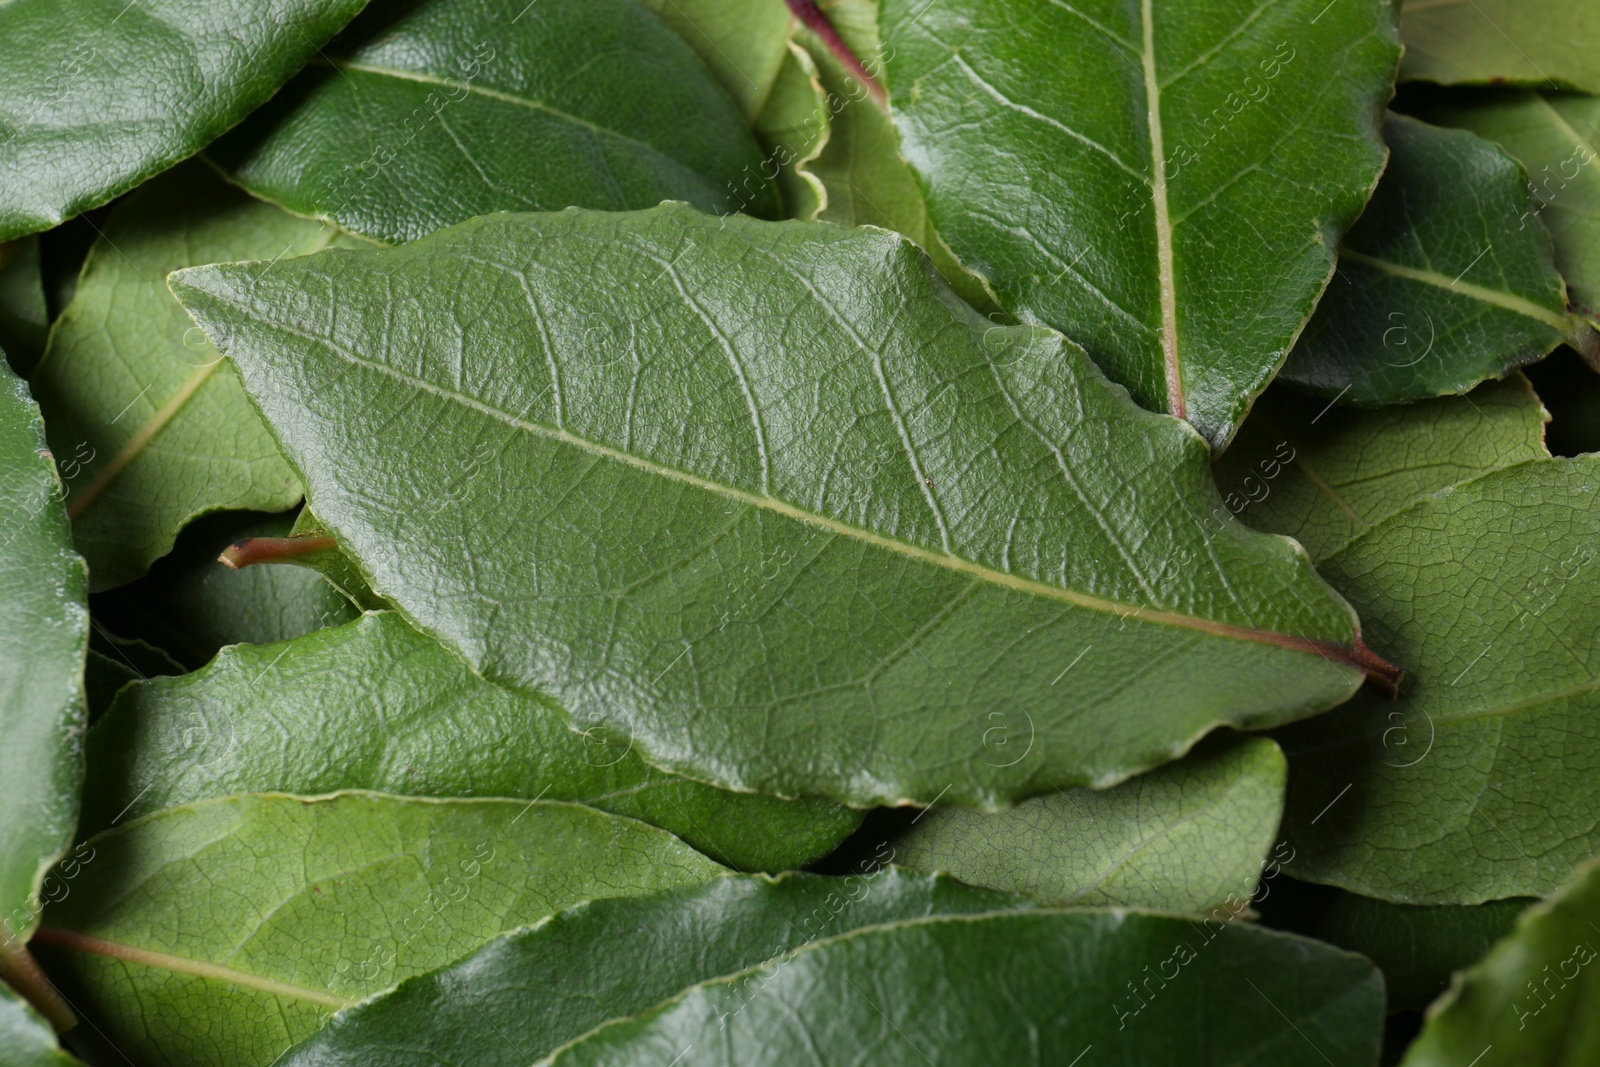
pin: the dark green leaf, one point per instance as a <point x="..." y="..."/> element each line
<point x="222" y="932"/>
<point x="1416" y="947"/>
<point x="98" y="95"/>
<point x="769" y="500"/>
<point x="1035" y="987"/>
<point x="44" y="633"/>
<point x="1533" y="1001"/>
<point x="447" y="109"/>
<point x="1163" y="182"/>
<point x="23" y="316"/>
<point x="1184" y="837"/>
<point x="375" y="705"/>
<point x="151" y="426"/>
<point x="1554" y="136"/>
<point x="522" y="996"/>
<point x="1445" y="281"/>
<point x="1543" y="43"/>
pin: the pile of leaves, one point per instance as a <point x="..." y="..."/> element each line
<point x="883" y="531"/>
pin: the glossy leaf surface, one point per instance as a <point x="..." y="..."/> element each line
<point x="98" y="95"/>
<point x="44" y="633"/>
<point x="1448" y="278"/>
<point x="1539" y="43"/>
<point x="151" y="425"/>
<point x="225" y="931"/>
<point x="447" y="109"/>
<point x="1035" y="987"/>
<point x="522" y="996"/>
<point x="1164" y="182"/>
<point x="375" y="705"/>
<point x="1183" y="837"/>
<point x="1533" y="1000"/>
<point x="831" y="572"/>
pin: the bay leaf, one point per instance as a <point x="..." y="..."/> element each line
<point x="1185" y="837"/>
<point x="863" y="518"/>
<point x="1447" y="280"/>
<point x="100" y="95"/>
<point x="225" y="931"/>
<point x="26" y="1039"/>
<point x="1038" y="986"/>
<point x="152" y="426"/>
<point x="427" y="114"/>
<point x="523" y="995"/>
<point x="1532" y="1000"/>
<point x="44" y="634"/>
<point x="375" y="705"/>
<point x="1164" y="182"/>
<point x="1538" y="43"/>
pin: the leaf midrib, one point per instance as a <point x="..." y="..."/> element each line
<point x="68" y="939"/>
<point x="1498" y="298"/>
<point x="1165" y="274"/>
<point x="781" y="507"/>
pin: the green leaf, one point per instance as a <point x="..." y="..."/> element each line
<point x="334" y="566"/>
<point x="1032" y="987"/>
<point x="1546" y="43"/>
<point x="1184" y="837"/>
<point x="1447" y="279"/>
<point x="1478" y="783"/>
<point x="448" y="109"/>
<point x="151" y="425"/>
<point x="1324" y="475"/>
<point x="866" y="181"/>
<point x="190" y="605"/>
<point x="745" y="43"/>
<point x="375" y="705"/>
<point x="774" y="573"/>
<point x="24" y="318"/>
<point x="1416" y="947"/>
<point x="1532" y="1001"/>
<point x="26" y="1040"/>
<point x="1553" y="135"/>
<point x="44" y="633"/>
<point x="793" y="128"/>
<point x="1164" y="182"/>
<point x="522" y="996"/>
<point x="101" y="95"/>
<point x="224" y="931"/>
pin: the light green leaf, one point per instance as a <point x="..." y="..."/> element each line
<point x="151" y="426"/>
<point x="1533" y="1001"/>
<point x="225" y="931"/>
<point x="100" y="95"/>
<point x="1544" y="43"/>
<point x="793" y="128"/>
<point x="1324" y="475"/>
<point x="1416" y="947"/>
<point x="745" y="43"/>
<point x="44" y="633"/>
<point x="1164" y="182"/>
<point x="1447" y="279"/>
<point x="523" y="995"/>
<point x="375" y="705"/>
<point x="866" y="181"/>
<point x="1184" y="837"/>
<point x="422" y="117"/>
<point x="1478" y="783"/>
<point x="1554" y="136"/>
<point x="190" y="605"/>
<point x="26" y="1040"/>
<point x="1031" y="987"/>
<point x="24" y="318"/>
<point x="775" y="504"/>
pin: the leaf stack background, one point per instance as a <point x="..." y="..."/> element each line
<point x="756" y="532"/>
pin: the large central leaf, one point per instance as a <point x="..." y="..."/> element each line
<point x="770" y="500"/>
<point x="1163" y="181"/>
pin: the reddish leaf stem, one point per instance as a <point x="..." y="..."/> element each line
<point x="809" y="13"/>
<point x="254" y="550"/>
